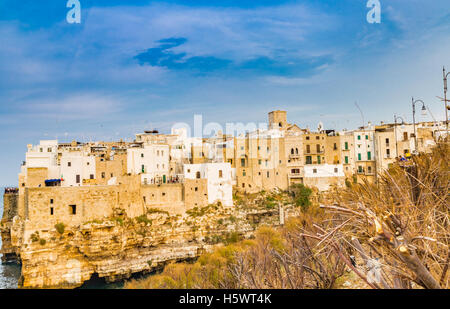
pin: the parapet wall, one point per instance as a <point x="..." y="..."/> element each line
<point x="47" y="206"/>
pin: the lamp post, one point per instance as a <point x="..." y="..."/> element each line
<point x="424" y="112"/>
<point x="445" y="99"/>
<point x="395" y="133"/>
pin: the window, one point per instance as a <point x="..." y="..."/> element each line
<point x="369" y="155"/>
<point x="387" y="141"/>
<point x="360" y="169"/>
<point x="315" y="171"/>
<point x="243" y="173"/>
<point x="318" y="159"/>
<point x="318" y="148"/>
<point x="91" y="176"/>
<point x="359" y="137"/>
<point x="242" y="162"/>
<point x="49" y="150"/>
<point x="51" y="211"/>
<point x="51" y="201"/>
<point x="259" y="162"/>
<point x="335" y="170"/>
<point x="317" y="137"/>
<point x="41" y="150"/>
<point x="307" y="138"/>
<point x="334" y="146"/>
<point x="359" y="157"/>
<point x="73" y="209"/>
<point x="367" y="136"/>
<point x="388" y="152"/>
<point x="346" y="160"/>
<point x="268" y="174"/>
<point x="69" y="164"/>
<point x="243" y="185"/>
<point x="292" y="150"/>
<point x="103" y="174"/>
<point x="346" y="145"/>
<point x="77" y="178"/>
<point x="188" y="170"/>
<point x="308" y="148"/>
<point x="405" y="136"/>
<point x="220" y="174"/>
<point x="164" y="194"/>
<point x="369" y="169"/>
<point x="157" y="152"/>
<point x="162" y="153"/>
<point x="196" y="189"/>
<point x="308" y="160"/>
<point x="87" y="163"/>
<point x="197" y="175"/>
<point x="296" y="150"/>
<point x="112" y="175"/>
<point x="142" y="168"/>
<point x="142" y="155"/>
<point x="242" y="147"/>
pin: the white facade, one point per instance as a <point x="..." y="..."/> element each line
<point x="151" y="161"/>
<point x="219" y="180"/>
<point x="76" y="166"/>
<point x="323" y="176"/>
<point x="324" y="170"/>
<point x="364" y="145"/>
<point x="43" y="155"/>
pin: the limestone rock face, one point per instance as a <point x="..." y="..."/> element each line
<point x="117" y="247"/>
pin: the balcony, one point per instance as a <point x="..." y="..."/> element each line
<point x="294" y="156"/>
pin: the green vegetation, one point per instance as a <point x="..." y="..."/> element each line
<point x="60" y="227"/>
<point x="156" y="210"/>
<point x="143" y="219"/>
<point x="35" y="236"/>
<point x="301" y="195"/>
<point x="42" y="242"/>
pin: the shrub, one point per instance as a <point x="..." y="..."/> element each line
<point x="301" y="196"/>
<point x="143" y="219"/>
<point x="42" y="242"/>
<point x="60" y="227"/>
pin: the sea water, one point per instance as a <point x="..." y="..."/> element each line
<point x="10" y="272"/>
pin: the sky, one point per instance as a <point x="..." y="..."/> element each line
<point x="132" y="65"/>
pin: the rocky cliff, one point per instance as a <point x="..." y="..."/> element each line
<point x="117" y="247"/>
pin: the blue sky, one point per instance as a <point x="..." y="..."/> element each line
<point x="133" y="65"/>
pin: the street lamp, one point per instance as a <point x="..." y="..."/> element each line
<point x="424" y="112"/>
<point x="445" y="99"/>
<point x="395" y="133"/>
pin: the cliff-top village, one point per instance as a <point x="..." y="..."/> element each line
<point x="66" y="187"/>
<point x="76" y="182"/>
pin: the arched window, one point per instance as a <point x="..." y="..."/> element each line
<point x="296" y="150"/>
<point x="292" y="150"/>
<point x="198" y="175"/>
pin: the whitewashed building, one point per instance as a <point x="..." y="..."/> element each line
<point x="76" y="166"/>
<point x="151" y="161"/>
<point x="219" y="180"/>
<point x="322" y="176"/>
